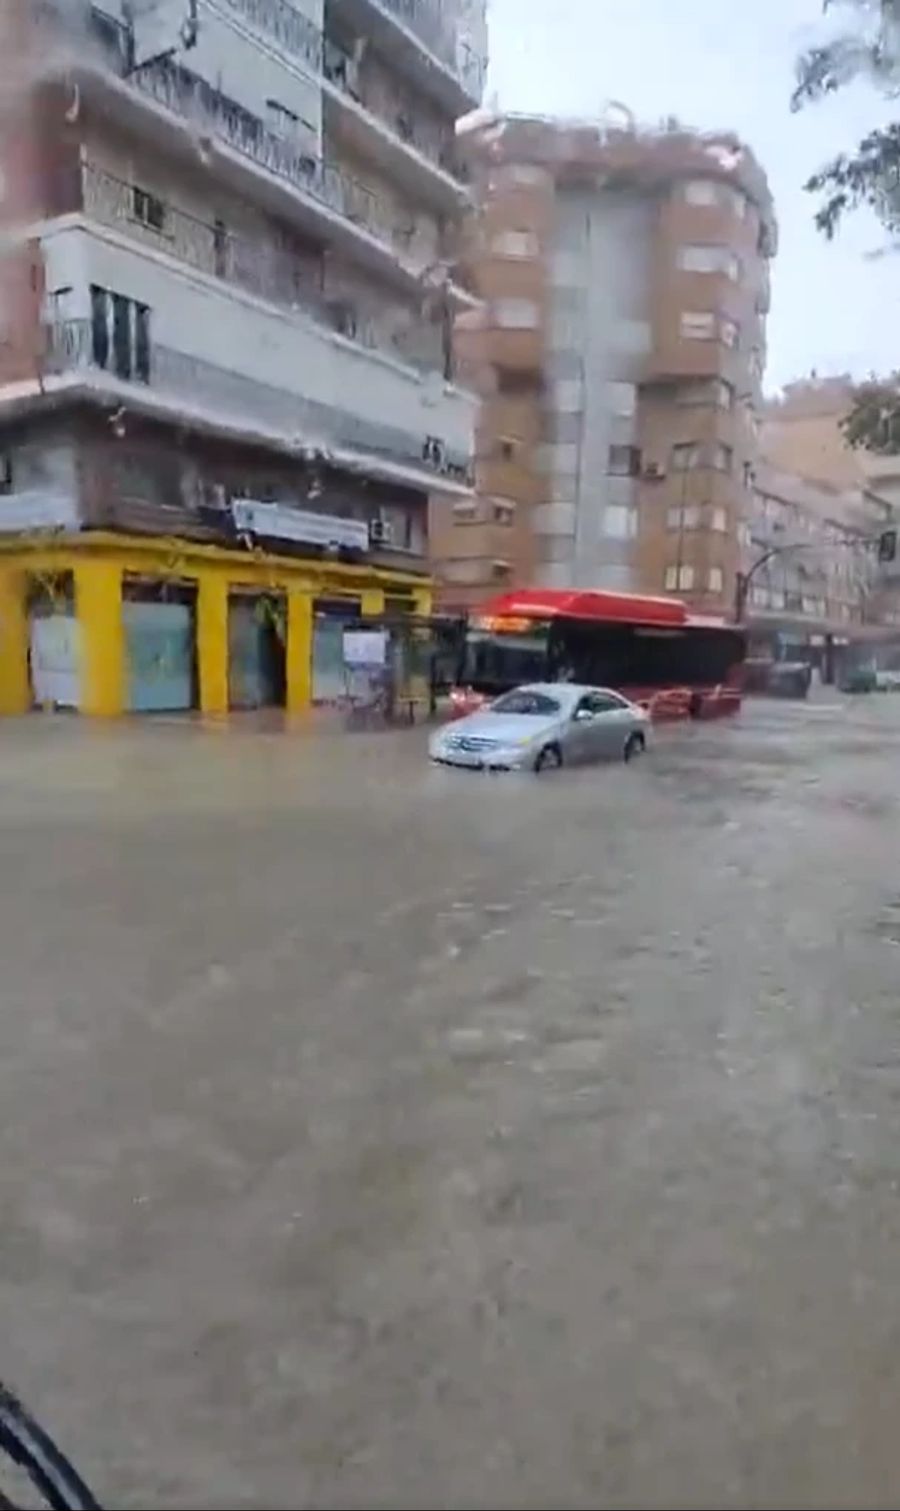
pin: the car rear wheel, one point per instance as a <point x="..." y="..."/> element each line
<point x="550" y="759"/>
<point x="635" y="745"/>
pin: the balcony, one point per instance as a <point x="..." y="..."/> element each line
<point x="175" y="385"/>
<point x="416" y="157"/>
<point x="268" y="269"/>
<point x="418" y="38"/>
<point x="190" y="118"/>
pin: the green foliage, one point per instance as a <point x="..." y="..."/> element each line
<point x="873" y="421"/>
<point x="871" y="175"/>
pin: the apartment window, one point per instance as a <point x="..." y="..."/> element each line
<point x="711" y="391"/>
<point x="719" y="520"/>
<point x="698" y="325"/>
<point x="622" y="399"/>
<point x="686" y="456"/>
<point x="504" y="511"/>
<point x="715" y="579"/>
<point x="515" y="244"/>
<point x="745" y="534"/>
<point x="120" y="334"/>
<point x="623" y="461"/>
<point x="149" y="209"/>
<point x="729" y="333"/>
<point x="507" y="446"/>
<point x="740" y="204"/>
<point x="679" y="579"/>
<point x="696" y="259"/>
<point x="516" y="314"/>
<point x="701" y="191"/>
<point x="722" y="457"/>
<point x="619" y="522"/>
<point x="220" y="249"/>
<point x="687" y="518"/>
<point x="703" y="259"/>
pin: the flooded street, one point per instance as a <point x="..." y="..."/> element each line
<point x="376" y="1135"/>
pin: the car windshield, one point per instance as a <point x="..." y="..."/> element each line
<point x="525" y="703"/>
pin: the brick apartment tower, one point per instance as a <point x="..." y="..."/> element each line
<point x="618" y="356"/>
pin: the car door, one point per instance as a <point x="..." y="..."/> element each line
<point x="581" y="734"/>
<point x="608" y="728"/>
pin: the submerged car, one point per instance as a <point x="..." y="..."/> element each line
<point x="544" y="725"/>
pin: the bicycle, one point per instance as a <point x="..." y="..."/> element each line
<point x="24" y="1443"/>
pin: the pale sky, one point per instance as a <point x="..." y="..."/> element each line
<point x="715" y="64"/>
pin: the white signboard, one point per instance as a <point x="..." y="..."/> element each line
<point x="280" y="522"/>
<point x="365" y="648"/>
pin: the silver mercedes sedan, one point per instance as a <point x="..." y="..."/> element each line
<point x="544" y="725"/>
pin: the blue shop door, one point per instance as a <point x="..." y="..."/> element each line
<point x="159" y="640"/>
<point x="249" y="682"/>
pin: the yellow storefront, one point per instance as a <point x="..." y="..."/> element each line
<point x="99" y="565"/>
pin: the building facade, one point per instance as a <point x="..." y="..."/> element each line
<point x="618" y="356"/>
<point x="227" y="372"/>
<point x="816" y="582"/>
<point x="832" y="502"/>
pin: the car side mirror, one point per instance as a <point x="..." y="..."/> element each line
<point x="582" y="716"/>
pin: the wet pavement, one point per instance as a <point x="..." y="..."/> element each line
<point x="375" y="1135"/>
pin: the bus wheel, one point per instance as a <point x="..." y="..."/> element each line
<point x="550" y="759"/>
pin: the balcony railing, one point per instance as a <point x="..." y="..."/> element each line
<point x="232" y="399"/>
<point x="269" y="268"/>
<point x="424" y="18"/>
<point x="287" y="26"/>
<point x="341" y="69"/>
<point x="300" y="36"/>
<point x="211" y="112"/>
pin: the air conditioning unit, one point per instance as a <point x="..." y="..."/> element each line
<point x="654" y="471"/>
<point x="381" y="532"/>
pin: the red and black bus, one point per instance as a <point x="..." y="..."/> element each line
<point x="650" y="649"/>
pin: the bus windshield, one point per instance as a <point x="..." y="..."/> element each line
<point x="494" y="662"/>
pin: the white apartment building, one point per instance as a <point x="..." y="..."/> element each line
<point x="228" y="227"/>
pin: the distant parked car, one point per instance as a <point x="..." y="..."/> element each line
<point x="544" y="725"/>
<point x="859" y="679"/>
<point x="887" y="682"/>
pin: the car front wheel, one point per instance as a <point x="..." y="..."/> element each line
<point x="635" y="745"/>
<point x="550" y="759"/>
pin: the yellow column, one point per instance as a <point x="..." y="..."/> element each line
<point x="212" y="641"/>
<point x="299" y="650"/>
<point x="15" y="693"/>
<point x="372" y="605"/>
<point x="98" y="606"/>
<point x="423" y="599"/>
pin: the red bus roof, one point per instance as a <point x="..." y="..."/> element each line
<point x="556" y="603"/>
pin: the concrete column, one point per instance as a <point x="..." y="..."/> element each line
<point x="212" y="641"/>
<point x="299" y="650"/>
<point x="15" y="693"/>
<point x="98" y="606"/>
<point x="372" y="605"/>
